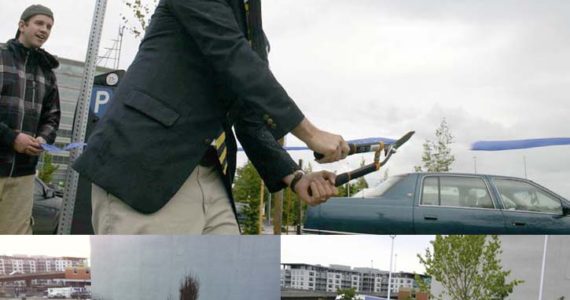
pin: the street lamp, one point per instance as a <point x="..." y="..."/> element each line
<point x="390" y="272"/>
<point x="543" y="267"/>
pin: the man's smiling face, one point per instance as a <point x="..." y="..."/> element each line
<point x="35" y="32"/>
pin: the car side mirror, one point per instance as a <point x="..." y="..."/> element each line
<point x="565" y="210"/>
<point x="48" y="194"/>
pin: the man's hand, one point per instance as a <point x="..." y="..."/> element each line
<point x="41" y="140"/>
<point x="26" y="144"/>
<point x="316" y="188"/>
<point x="332" y="146"/>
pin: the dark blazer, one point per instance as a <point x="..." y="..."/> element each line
<point x="195" y="75"/>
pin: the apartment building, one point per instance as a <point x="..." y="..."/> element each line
<point x="23" y="264"/>
<point x="335" y="277"/>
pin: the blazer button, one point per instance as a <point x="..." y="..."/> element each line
<point x="207" y="141"/>
<point x="269" y="122"/>
<point x="273" y="126"/>
<point x="266" y="117"/>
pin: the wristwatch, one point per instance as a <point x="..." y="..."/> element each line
<point x="297" y="176"/>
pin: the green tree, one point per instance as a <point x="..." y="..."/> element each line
<point x="137" y="23"/>
<point x="350" y="189"/>
<point x="437" y="155"/>
<point x="47" y="168"/>
<point x="246" y="189"/>
<point x="360" y="184"/>
<point x="291" y="209"/>
<point x="347" y="294"/>
<point x="468" y="267"/>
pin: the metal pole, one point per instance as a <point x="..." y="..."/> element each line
<point x="524" y="162"/>
<point x="278" y="210"/>
<point x="300" y="215"/>
<point x="475" y="164"/>
<point x="268" y="212"/>
<point x="121" y="31"/>
<point x="288" y="209"/>
<point x="543" y="267"/>
<point x="396" y="262"/>
<point x="390" y="272"/>
<point x="261" y="195"/>
<point x="80" y="124"/>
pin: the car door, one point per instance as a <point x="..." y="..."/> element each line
<point x="530" y="208"/>
<point x="45" y="216"/>
<point x="40" y="212"/>
<point x="390" y="212"/>
<point x="456" y="204"/>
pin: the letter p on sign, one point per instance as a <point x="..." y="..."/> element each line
<point x="102" y="97"/>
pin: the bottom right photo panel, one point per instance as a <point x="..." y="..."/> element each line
<point x="421" y="267"/>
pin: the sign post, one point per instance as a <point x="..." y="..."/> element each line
<point x="80" y="123"/>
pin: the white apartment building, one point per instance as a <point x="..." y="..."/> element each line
<point x="303" y="279"/>
<point x="334" y="281"/>
<point x="335" y="277"/>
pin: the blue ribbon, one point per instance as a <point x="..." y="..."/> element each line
<point x="518" y="144"/>
<point x="54" y="149"/>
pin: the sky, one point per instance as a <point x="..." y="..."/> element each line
<point x="495" y="70"/>
<point x="360" y="251"/>
<point x="68" y="245"/>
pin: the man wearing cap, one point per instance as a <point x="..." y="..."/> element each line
<point x="29" y="115"/>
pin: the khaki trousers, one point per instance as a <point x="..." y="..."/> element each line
<point x="201" y="206"/>
<point x="16" y="203"/>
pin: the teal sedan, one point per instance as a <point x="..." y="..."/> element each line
<point x="445" y="203"/>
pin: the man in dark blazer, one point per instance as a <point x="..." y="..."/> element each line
<point x="162" y="158"/>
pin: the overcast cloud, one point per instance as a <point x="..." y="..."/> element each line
<point x="357" y="251"/>
<point x="494" y="69"/>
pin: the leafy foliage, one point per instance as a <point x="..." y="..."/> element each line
<point x="141" y="13"/>
<point x="437" y="155"/>
<point x="47" y="168"/>
<point x="360" y="184"/>
<point x="347" y="294"/>
<point x="349" y="189"/>
<point x="247" y="188"/>
<point x="468" y="267"/>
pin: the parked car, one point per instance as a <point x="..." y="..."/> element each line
<point x="445" y="203"/>
<point x="46" y="210"/>
<point x="240" y="210"/>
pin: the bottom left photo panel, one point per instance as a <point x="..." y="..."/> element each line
<point x="139" y="267"/>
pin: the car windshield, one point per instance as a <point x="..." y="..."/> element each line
<point x="380" y="189"/>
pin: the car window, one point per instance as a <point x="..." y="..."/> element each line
<point x="380" y="189"/>
<point x="430" y="191"/>
<point x="457" y="191"/>
<point x="523" y="196"/>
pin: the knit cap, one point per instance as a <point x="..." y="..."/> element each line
<point x="36" y="9"/>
